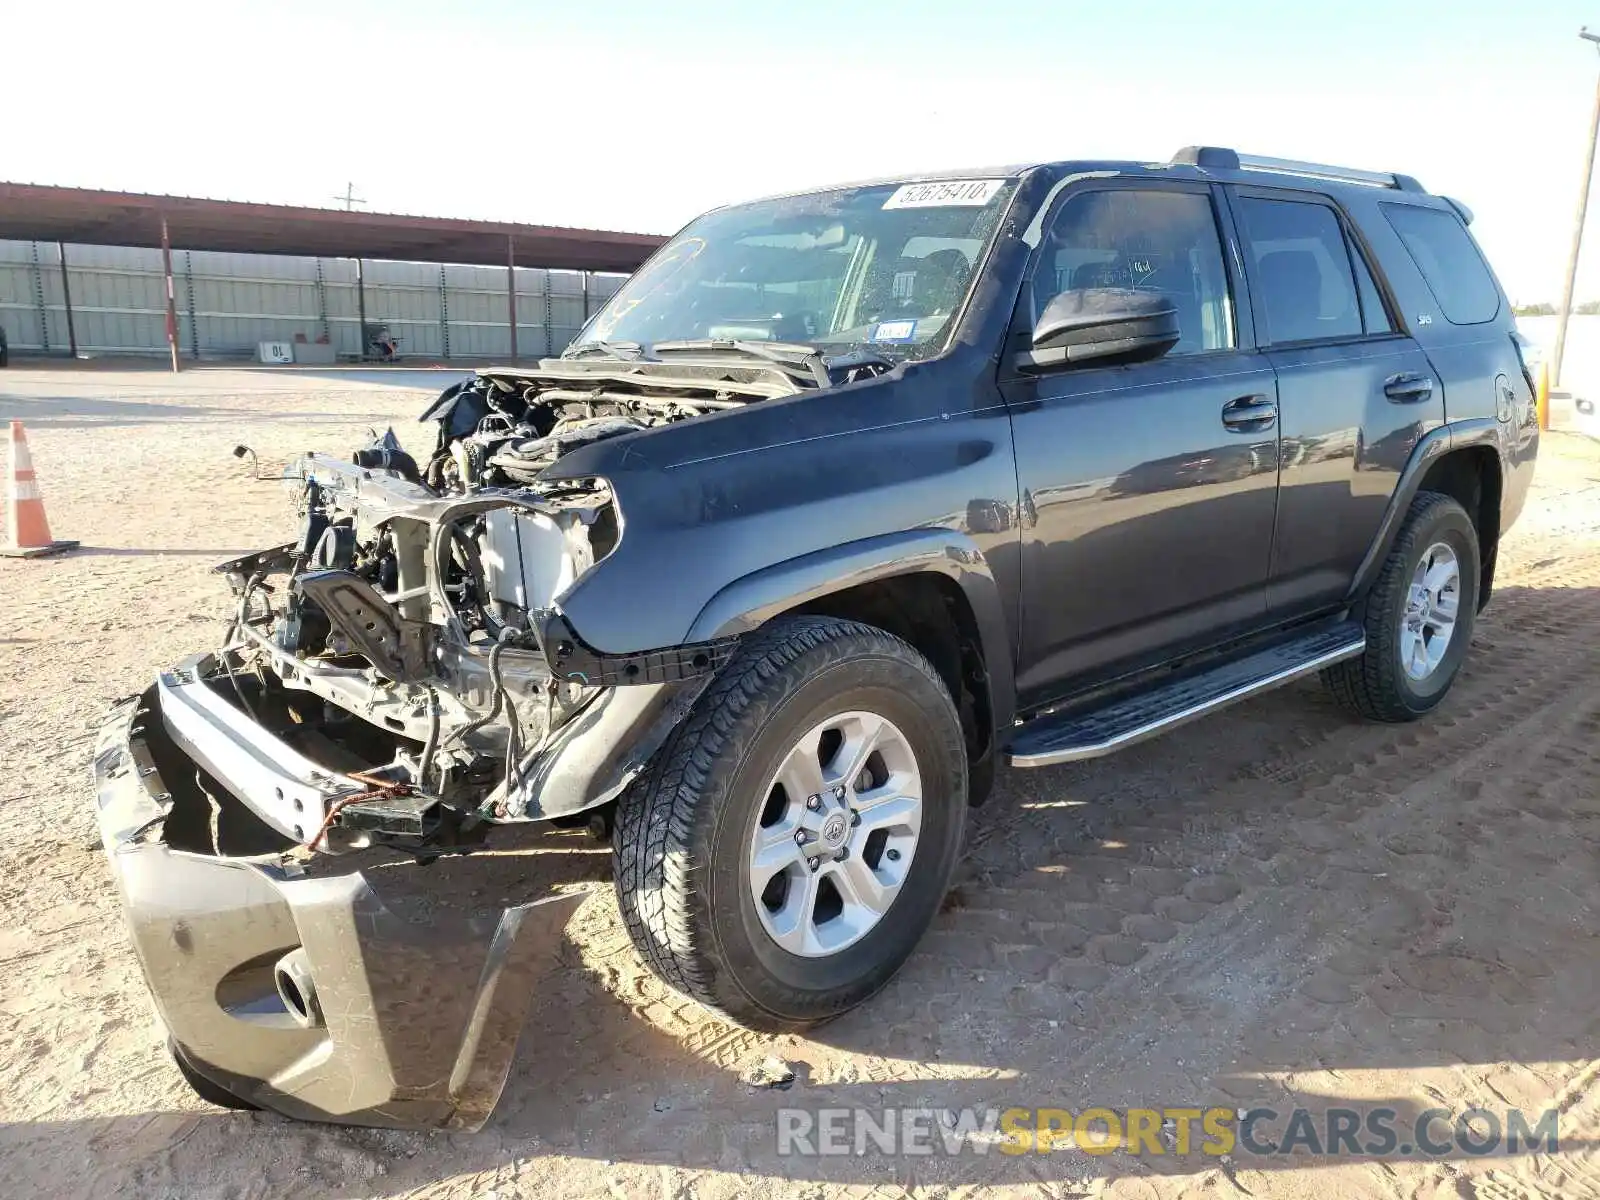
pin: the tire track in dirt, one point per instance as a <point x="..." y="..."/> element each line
<point x="1573" y="1175"/>
<point x="1044" y="907"/>
<point x="1098" y="947"/>
<point x="1360" y="820"/>
<point x="1113" y="911"/>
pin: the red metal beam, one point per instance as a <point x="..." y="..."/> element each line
<point x="33" y="212"/>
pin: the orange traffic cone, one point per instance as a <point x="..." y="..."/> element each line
<point x="27" y="529"/>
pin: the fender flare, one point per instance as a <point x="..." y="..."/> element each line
<point x="756" y="598"/>
<point x="1430" y="448"/>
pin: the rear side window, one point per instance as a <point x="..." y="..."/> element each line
<point x="1304" y="285"/>
<point x="1455" y="272"/>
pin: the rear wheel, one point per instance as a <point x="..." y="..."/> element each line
<point x="794" y="838"/>
<point x="1419" y="617"/>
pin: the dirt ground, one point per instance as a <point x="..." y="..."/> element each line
<point x="1272" y="907"/>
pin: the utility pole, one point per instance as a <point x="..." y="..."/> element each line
<point x="350" y="201"/>
<point x="172" y="304"/>
<point x="1577" y="226"/>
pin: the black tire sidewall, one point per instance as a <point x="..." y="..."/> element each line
<point x="800" y="988"/>
<point x="1451" y="526"/>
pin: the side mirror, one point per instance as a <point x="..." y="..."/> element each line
<point x="1103" y="326"/>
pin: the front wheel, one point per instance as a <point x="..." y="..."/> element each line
<point x="1419" y="616"/>
<point x="794" y="838"/>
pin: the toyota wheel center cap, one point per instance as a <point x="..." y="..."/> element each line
<point x="834" y="830"/>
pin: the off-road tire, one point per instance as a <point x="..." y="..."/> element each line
<point x="1375" y="685"/>
<point x="682" y="830"/>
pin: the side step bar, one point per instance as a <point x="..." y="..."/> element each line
<point x="1072" y="737"/>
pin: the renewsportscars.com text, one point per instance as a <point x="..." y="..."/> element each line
<point x="1376" y="1132"/>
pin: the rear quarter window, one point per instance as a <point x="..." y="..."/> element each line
<point x="1449" y="261"/>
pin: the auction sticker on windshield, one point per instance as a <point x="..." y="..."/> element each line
<point x="945" y="193"/>
<point x="895" y="331"/>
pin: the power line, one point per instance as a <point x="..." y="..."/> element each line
<point x="1577" y="227"/>
<point x="350" y="198"/>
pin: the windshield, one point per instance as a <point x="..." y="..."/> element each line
<point x="885" y="267"/>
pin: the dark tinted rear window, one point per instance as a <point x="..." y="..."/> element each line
<point x="1302" y="279"/>
<point x="1444" y="253"/>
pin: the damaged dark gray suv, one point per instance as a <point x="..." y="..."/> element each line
<point x="845" y="497"/>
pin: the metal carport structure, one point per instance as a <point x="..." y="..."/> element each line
<point x="35" y="212"/>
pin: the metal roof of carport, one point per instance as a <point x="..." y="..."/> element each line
<point x="38" y="212"/>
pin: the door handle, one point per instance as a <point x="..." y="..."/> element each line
<point x="1249" y="414"/>
<point x="1408" y="387"/>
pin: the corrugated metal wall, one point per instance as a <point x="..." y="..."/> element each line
<point x="228" y="303"/>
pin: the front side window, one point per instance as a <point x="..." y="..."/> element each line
<point x="886" y="267"/>
<point x="1155" y="241"/>
<point x="1454" y="270"/>
<point x="1303" y="283"/>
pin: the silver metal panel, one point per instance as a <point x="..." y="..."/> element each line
<point x="282" y="787"/>
<point x="228" y="303"/>
<point x="1310" y="170"/>
<point x="1172" y="720"/>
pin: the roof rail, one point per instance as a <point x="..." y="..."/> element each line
<point x="1213" y="158"/>
<point x="1220" y="158"/>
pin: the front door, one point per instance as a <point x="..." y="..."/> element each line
<point x="1148" y="490"/>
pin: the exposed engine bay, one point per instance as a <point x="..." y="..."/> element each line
<point x="410" y="642"/>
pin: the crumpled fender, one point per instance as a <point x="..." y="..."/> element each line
<point x="746" y="603"/>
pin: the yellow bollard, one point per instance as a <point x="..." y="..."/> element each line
<point x="1541" y="396"/>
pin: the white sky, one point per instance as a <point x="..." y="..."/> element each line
<point x="632" y="115"/>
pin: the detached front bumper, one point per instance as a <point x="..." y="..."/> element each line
<point x="308" y="995"/>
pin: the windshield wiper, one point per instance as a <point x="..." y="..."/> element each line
<point x="622" y="351"/>
<point x="857" y="359"/>
<point x="795" y="359"/>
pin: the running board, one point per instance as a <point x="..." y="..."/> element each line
<point x="1060" y="738"/>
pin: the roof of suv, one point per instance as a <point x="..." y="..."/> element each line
<point x="1211" y="163"/>
<point x="1218" y="161"/>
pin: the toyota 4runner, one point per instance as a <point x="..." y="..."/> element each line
<point x="845" y="497"/>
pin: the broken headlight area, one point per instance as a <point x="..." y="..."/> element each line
<point x="410" y="642"/>
<point x="430" y="666"/>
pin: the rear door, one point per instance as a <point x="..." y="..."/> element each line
<point x="1354" y="394"/>
<point x="1464" y="323"/>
